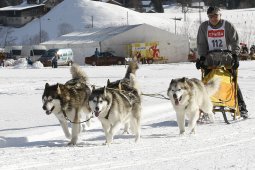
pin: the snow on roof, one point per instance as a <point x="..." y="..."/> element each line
<point x="90" y="35"/>
<point x="146" y="3"/>
<point x="19" y="7"/>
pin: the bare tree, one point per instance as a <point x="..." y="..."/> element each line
<point x="136" y="4"/>
<point x="158" y="6"/>
<point x="65" y="28"/>
<point x="9" y="39"/>
<point x="184" y="2"/>
<point x="36" y="38"/>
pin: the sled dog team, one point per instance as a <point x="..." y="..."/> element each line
<point x="118" y="104"/>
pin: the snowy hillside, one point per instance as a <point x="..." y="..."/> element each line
<point x="76" y="15"/>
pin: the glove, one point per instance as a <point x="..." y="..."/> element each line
<point x="200" y="62"/>
<point x="235" y="62"/>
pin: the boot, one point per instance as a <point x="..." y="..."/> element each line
<point x="243" y="112"/>
<point x="242" y="105"/>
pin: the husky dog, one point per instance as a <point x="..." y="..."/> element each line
<point x="68" y="101"/>
<point x="115" y="107"/>
<point x="190" y="97"/>
<point x="127" y="81"/>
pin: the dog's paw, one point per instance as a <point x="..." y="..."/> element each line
<point x="182" y="133"/>
<point x="106" y="143"/>
<point x="126" y="128"/>
<point x="212" y="121"/>
<point x="125" y="132"/>
<point x="71" y="144"/>
<point x="192" y="132"/>
<point x="73" y="141"/>
<point x="137" y="139"/>
<point x="109" y="142"/>
<point x="109" y="139"/>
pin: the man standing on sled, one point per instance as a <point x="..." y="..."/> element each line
<point x="219" y="34"/>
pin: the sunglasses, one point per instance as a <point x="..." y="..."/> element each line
<point x="213" y="16"/>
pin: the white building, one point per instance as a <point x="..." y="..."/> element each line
<point x="174" y="48"/>
<point x="146" y="5"/>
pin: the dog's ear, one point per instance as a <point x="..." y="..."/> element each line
<point x="172" y="81"/>
<point x="184" y="79"/>
<point x="119" y="86"/>
<point x="104" y="91"/>
<point x="47" y="85"/>
<point x="58" y="88"/>
<point x="108" y="82"/>
<point x="93" y="88"/>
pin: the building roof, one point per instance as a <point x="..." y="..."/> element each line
<point x="90" y="35"/>
<point x="146" y="3"/>
<point x="20" y="7"/>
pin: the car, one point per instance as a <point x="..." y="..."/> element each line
<point x="105" y="59"/>
<point x="33" y="52"/>
<point x="65" y="57"/>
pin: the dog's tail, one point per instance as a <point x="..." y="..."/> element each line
<point x="77" y="72"/>
<point x="212" y="86"/>
<point x="133" y="83"/>
<point x="132" y="67"/>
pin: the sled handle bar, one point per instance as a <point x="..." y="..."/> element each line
<point x="228" y="51"/>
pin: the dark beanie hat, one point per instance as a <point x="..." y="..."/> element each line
<point x="213" y="10"/>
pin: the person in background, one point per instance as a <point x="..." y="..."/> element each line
<point x="219" y="34"/>
<point x="54" y="61"/>
<point x="29" y="61"/>
<point x="2" y="58"/>
<point x="245" y="49"/>
<point x="97" y="53"/>
<point x="252" y="49"/>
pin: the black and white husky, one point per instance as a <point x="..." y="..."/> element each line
<point x="68" y="102"/>
<point x="190" y="97"/>
<point x="117" y="105"/>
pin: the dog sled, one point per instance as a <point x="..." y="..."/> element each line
<point x="218" y="64"/>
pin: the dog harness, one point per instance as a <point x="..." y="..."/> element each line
<point x="128" y="95"/>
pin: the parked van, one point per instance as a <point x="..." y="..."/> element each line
<point x="65" y="57"/>
<point x="33" y="52"/>
<point x="15" y="52"/>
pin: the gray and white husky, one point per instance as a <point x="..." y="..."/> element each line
<point x="127" y="81"/>
<point x="116" y="107"/>
<point x="190" y="97"/>
<point x="69" y="101"/>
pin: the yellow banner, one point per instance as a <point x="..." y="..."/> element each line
<point x="148" y="50"/>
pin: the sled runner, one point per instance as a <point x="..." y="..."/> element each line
<point x="219" y="64"/>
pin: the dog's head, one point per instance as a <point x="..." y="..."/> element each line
<point x="51" y="98"/>
<point x="132" y="68"/>
<point x="99" y="101"/>
<point x="178" y="91"/>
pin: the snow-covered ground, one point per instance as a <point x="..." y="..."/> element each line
<point x="30" y="139"/>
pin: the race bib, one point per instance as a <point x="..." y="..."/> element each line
<point x="216" y="38"/>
